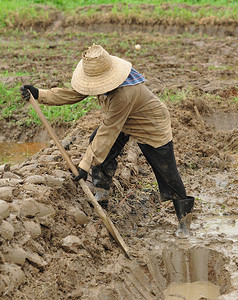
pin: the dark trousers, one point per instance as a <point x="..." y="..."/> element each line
<point x="161" y="159"/>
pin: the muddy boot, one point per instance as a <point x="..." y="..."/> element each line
<point x="102" y="197"/>
<point x="183" y="209"/>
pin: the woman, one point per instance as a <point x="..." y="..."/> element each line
<point x="131" y="111"/>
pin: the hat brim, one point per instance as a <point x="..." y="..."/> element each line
<point x="97" y="85"/>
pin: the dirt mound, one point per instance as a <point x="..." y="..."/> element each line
<point x="52" y="238"/>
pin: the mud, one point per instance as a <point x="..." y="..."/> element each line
<point x="221" y="226"/>
<point x="52" y="243"/>
<point x="222" y="121"/>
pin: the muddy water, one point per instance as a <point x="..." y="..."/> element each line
<point x="222" y="121"/>
<point x="18" y="152"/>
<point x="226" y="226"/>
<point x="192" y="291"/>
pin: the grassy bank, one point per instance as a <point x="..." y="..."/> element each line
<point x="24" y="13"/>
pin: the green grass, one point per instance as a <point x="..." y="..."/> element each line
<point x="64" y="113"/>
<point x="6" y="73"/>
<point x="15" y="11"/>
<point x="9" y="104"/>
<point x="174" y="96"/>
<point x="235" y="99"/>
<point x="12" y="108"/>
<point x="178" y="95"/>
<point x="70" y="4"/>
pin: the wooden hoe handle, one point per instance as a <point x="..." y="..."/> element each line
<point x="101" y="213"/>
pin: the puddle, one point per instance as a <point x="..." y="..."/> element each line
<point x="222" y="121"/>
<point x="226" y="226"/>
<point x="174" y="271"/>
<point x="18" y="152"/>
<point x="192" y="291"/>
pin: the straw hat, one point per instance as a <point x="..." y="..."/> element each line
<point x="98" y="72"/>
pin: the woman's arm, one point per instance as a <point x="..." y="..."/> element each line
<point x="59" y="96"/>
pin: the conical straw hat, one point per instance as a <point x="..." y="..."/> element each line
<point x="98" y="72"/>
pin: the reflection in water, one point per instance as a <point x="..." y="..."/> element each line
<point x="192" y="291"/>
<point x="18" y="152"/>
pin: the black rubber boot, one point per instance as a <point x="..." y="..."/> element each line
<point x="102" y="197"/>
<point x="184" y="209"/>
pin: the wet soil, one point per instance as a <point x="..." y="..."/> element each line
<point x="53" y="245"/>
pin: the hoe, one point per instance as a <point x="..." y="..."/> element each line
<point x="101" y="213"/>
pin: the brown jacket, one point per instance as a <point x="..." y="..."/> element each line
<point x="134" y="110"/>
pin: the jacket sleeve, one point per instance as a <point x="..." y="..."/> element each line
<point x="115" y="118"/>
<point x="59" y="96"/>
